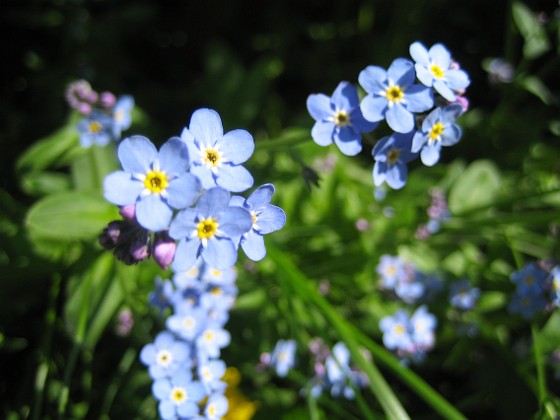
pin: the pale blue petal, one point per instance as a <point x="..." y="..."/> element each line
<point x="322" y="132"/>
<point x="430" y="154"/>
<point x="148" y="354"/>
<point x="261" y="196"/>
<point x="452" y="112"/>
<point x="234" y="178"/>
<point x="253" y="246"/>
<point x="457" y="79"/>
<point x="164" y="340"/>
<point x="399" y="119"/>
<point x="373" y="108"/>
<point x="451" y="135"/>
<point x="424" y="75"/>
<point x="153" y="213"/>
<point x="167" y="410"/>
<point x="174" y="157"/>
<point x="204" y="175"/>
<point x="396" y="176"/>
<point x="220" y="253"/>
<point x="212" y="201"/>
<point x="183" y="224"/>
<point x="183" y="191"/>
<point x="237" y="201"/>
<point x="161" y="389"/>
<point x="419" y="53"/>
<point x="419" y="98"/>
<point x="237" y="146"/>
<point x="271" y="219"/>
<point x="185" y="255"/>
<point x="120" y="189"/>
<point x="440" y="56"/>
<point x="206" y="125"/>
<point x="234" y="221"/>
<point x="188" y="138"/>
<point x="136" y="154"/>
<point x="379" y="170"/>
<point x="401" y="72"/>
<point x="187" y="409"/>
<point x="441" y="87"/>
<point x="345" y="96"/>
<point x="360" y="124"/>
<point x="319" y="106"/>
<point x="418" y="141"/>
<point x="348" y="141"/>
<point x="373" y="79"/>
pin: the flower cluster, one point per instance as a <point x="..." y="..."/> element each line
<point x="536" y="290"/>
<point x="106" y="116"/>
<point x="462" y="296"/>
<point x="421" y="115"/>
<point x="410" y="337"/>
<point x="184" y="360"/>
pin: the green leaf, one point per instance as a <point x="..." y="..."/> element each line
<point x="549" y="336"/>
<point x="477" y="187"/>
<point x="70" y="216"/>
<point x="530" y="27"/>
<point x="44" y="183"/>
<point x="535" y="86"/>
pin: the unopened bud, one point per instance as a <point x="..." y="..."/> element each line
<point x="164" y="249"/>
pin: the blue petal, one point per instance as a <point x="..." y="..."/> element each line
<point x="399" y="119"/>
<point x="206" y="126"/>
<point x="204" y="175"/>
<point x="451" y="135"/>
<point x="401" y="72"/>
<point x="345" y="96"/>
<point x="234" y="221"/>
<point x="360" y="124"/>
<point x="153" y="213"/>
<point x="322" y="132"/>
<point x="167" y="410"/>
<point x="379" y="171"/>
<point x="164" y="340"/>
<point x="237" y="146"/>
<point x="419" y="53"/>
<point x="185" y="255"/>
<point x="220" y="253"/>
<point x="424" y="75"/>
<point x="236" y="200"/>
<point x="183" y="224"/>
<point x="374" y="108"/>
<point x="348" y="141"/>
<point x="430" y="154"/>
<point x="183" y="191"/>
<point x="161" y="389"/>
<point x="253" y="246"/>
<point x="212" y="201"/>
<point x="148" y="354"/>
<point x="396" y="176"/>
<point x="418" y="141"/>
<point x="440" y="56"/>
<point x="457" y="79"/>
<point x="319" y="106"/>
<point x="174" y="157"/>
<point x="261" y="196"/>
<point x="120" y="189"/>
<point x="373" y="79"/>
<point x="136" y="154"/>
<point x="234" y="178"/>
<point x="419" y="98"/>
<point x="271" y="219"/>
<point x="441" y="87"/>
<point x="187" y="409"/>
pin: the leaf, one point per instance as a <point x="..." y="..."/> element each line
<point x="70" y="216"/>
<point x="530" y="27"/>
<point x="477" y="187"/>
<point x="44" y="183"/>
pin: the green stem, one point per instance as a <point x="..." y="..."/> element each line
<point x="541" y="380"/>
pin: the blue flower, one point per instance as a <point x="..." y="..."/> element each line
<point x="217" y="157"/>
<point x="391" y="269"/>
<point x="339" y="119"/>
<point x="283" y="356"/>
<point x="162" y="295"/>
<point x="393" y="96"/>
<point x="438" y="129"/>
<point x="396" y="331"/>
<point x="211" y="341"/>
<point x="266" y="218"/>
<point x="187" y="321"/>
<point x="434" y="67"/>
<point x="391" y="155"/>
<point x="462" y="296"/>
<point x="178" y="395"/>
<point x="216" y="407"/>
<point x="156" y="182"/>
<point x="165" y="355"/>
<point x="338" y="370"/>
<point x="122" y="115"/>
<point x="423" y="325"/>
<point x="97" y="128"/>
<point x="207" y="231"/>
<point x="210" y="373"/>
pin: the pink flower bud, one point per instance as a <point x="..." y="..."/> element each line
<point x="128" y="212"/>
<point x="107" y="99"/>
<point x="164" y="250"/>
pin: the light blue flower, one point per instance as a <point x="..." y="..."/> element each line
<point x="157" y="182"/>
<point x="165" y="355"/>
<point x="97" y="128"/>
<point x="162" y="295"/>
<point x="391" y="269"/>
<point x="216" y="407"/>
<point x="393" y="95"/>
<point x="283" y="356"/>
<point x="210" y="373"/>
<point x="338" y="369"/>
<point x="122" y="117"/>
<point x="391" y="155"/>
<point x="530" y="280"/>
<point x="434" y="67"/>
<point x="210" y="341"/>
<point x="187" y="321"/>
<point x="462" y="296"/>
<point x="527" y="305"/>
<point x="423" y="325"/>
<point x="396" y="331"/>
<point x="178" y="396"/>
<point x="217" y="157"/>
<point x="266" y="218"/>
<point x="207" y="230"/>
<point x="339" y="119"/>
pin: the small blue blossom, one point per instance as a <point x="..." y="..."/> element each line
<point x="266" y="218"/>
<point x="187" y="321"/>
<point x="338" y="371"/>
<point x="396" y="331"/>
<point x="391" y="269"/>
<point x="339" y="119"/>
<point x="162" y="295"/>
<point x="97" y="128"/>
<point x="217" y="157"/>
<point x="392" y="95"/>
<point x="527" y="305"/>
<point x="157" y="182"/>
<point x="178" y="396"/>
<point x="122" y="117"/>
<point x="211" y="340"/>
<point x="207" y="230"/>
<point x="423" y="326"/>
<point x="462" y="296"/>
<point x="530" y="280"/>
<point x="216" y="407"/>
<point x="210" y="373"/>
<point x="391" y="155"/>
<point x="165" y="355"/>
<point x="438" y="129"/>
<point x="283" y="356"/>
<point x="434" y="67"/>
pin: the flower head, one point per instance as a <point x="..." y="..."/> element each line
<point x="283" y="356"/>
<point x="97" y="128"/>
<point x="178" y="396"/>
<point x="391" y="155"/>
<point x="462" y="296"/>
<point x="122" y="114"/>
<point x="157" y="182"/>
<point x="165" y="355"/>
<point x="339" y="119"/>
<point x="217" y="157"/>
<point x="392" y="95"/>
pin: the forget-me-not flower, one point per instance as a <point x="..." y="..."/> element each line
<point x="178" y="396"/>
<point x="207" y="230"/>
<point x="462" y="296"/>
<point x="283" y="356"/>
<point x="157" y="182"/>
<point x="393" y="95"/>
<point x="216" y="407"/>
<point x="391" y="155"/>
<point x="396" y="331"/>
<point x="266" y="218"/>
<point x="434" y="67"/>
<point x="97" y="128"/>
<point x="122" y="117"/>
<point x="339" y="119"/>
<point x="217" y="157"/>
<point x="165" y="355"/>
<point x="438" y="129"/>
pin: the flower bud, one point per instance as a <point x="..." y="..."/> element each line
<point x="164" y="249"/>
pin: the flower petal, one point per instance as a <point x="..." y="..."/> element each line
<point x="419" y="98"/>
<point x="234" y="178"/>
<point x="399" y="119"/>
<point x="153" y="213"/>
<point x="119" y="188"/>
<point x="261" y="196"/>
<point x="206" y="125"/>
<point x="183" y="191"/>
<point x="440" y="56"/>
<point x="348" y="141"/>
<point x="345" y="96"/>
<point x="322" y="132"/>
<point x="419" y="53"/>
<point x="183" y="224"/>
<point x="253" y="246"/>
<point x="373" y="79"/>
<point x="234" y="221"/>
<point x="185" y="255"/>
<point x="271" y="219"/>
<point x="237" y="146"/>
<point x="136" y="154"/>
<point x="174" y="157"/>
<point x="401" y="72"/>
<point x="319" y="106"/>
<point x="430" y="154"/>
<point x="220" y="253"/>
<point x="374" y="108"/>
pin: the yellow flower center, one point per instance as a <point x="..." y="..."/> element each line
<point x="95" y="127"/>
<point x="211" y="410"/>
<point x="189" y="322"/>
<point x="253" y="217"/>
<point x="207" y="228"/>
<point x="164" y="358"/>
<point x="393" y="156"/>
<point x="216" y="291"/>
<point x="399" y="329"/>
<point x="208" y="335"/>
<point x="155" y="181"/>
<point x="178" y="395"/>
<point x="437" y="72"/>
<point x="436" y="131"/>
<point x="394" y="94"/>
<point x="212" y="157"/>
<point x="529" y="280"/>
<point x="341" y="118"/>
